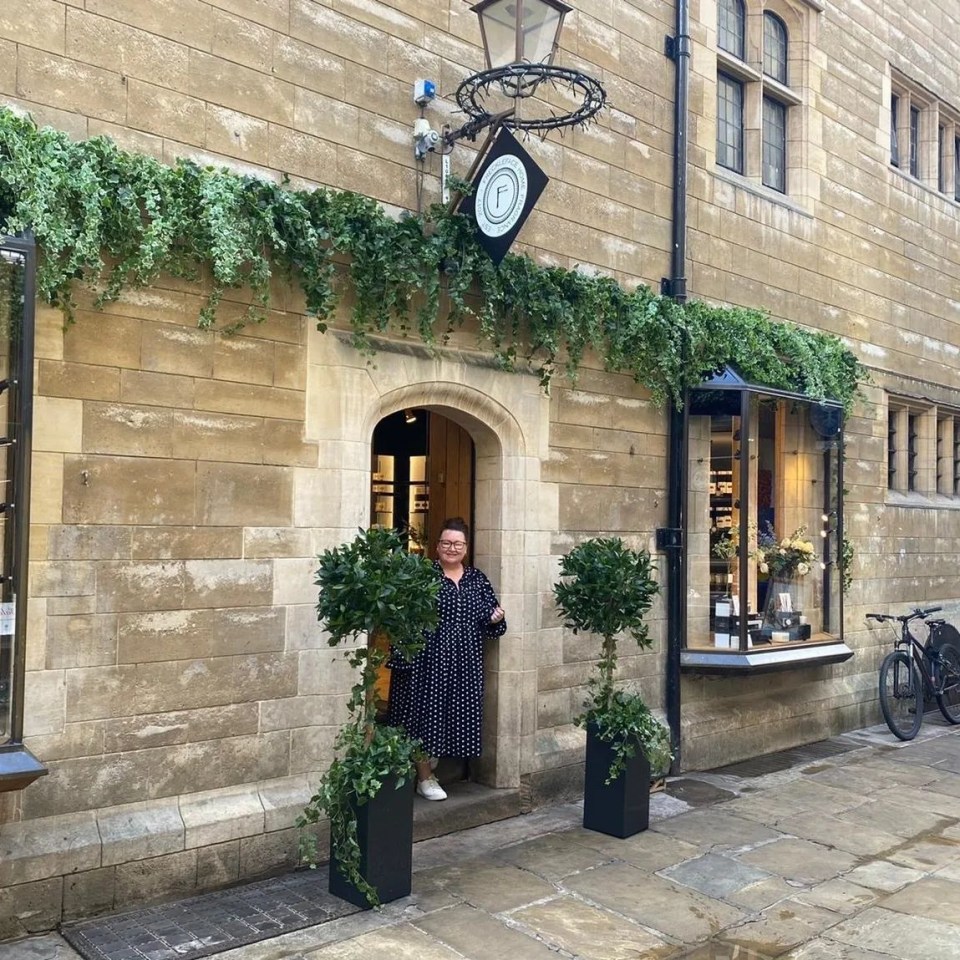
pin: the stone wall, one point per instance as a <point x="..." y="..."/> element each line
<point x="178" y="686"/>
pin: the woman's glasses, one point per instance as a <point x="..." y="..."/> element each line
<point x="452" y="544"/>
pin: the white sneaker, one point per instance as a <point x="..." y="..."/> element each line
<point x="431" y="790"/>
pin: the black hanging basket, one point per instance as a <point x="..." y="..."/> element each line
<point x="385" y="835"/>
<point x="622" y="807"/>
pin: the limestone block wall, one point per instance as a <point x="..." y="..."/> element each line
<point x="178" y="686"/>
<point x="864" y="250"/>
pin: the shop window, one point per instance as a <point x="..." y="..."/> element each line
<point x="764" y="527"/>
<point x="18" y="767"/>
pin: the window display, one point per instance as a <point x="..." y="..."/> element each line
<point x="763" y="521"/>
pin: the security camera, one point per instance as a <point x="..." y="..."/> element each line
<point x="425" y="138"/>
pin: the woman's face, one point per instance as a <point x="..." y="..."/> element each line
<point x="451" y="546"/>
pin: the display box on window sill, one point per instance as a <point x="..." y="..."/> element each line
<point x="727" y="630"/>
<point x="777" y="634"/>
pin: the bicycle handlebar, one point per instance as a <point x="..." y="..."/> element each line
<point x="919" y="612"/>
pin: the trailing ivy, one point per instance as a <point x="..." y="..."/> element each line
<point x="116" y="219"/>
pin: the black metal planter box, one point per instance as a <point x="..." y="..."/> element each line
<point x="385" y="835"/>
<point x="621" y="808"/>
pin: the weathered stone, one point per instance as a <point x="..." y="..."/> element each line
<point x="156" y="730"/>
<point x="39" y="849"/>
<point x="188" y="634"/>
<point x="217" y="816"/>
<point x="185" y="543"/>
<point x="137" y="831"/>
<point x="27" y="908"/>
<point x="239" y="493"/>
<point x="89" y="893"/>
<point x="269" y="852"/>
<point x="124" y="490"/>
<point x="143" y="881"/>
<point x="219" y="864"/>
<point x="586" y="930"/>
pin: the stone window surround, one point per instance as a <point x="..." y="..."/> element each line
<point x="934" y="160"/>
<point x="901" y="413"/>
<point x="516" y="512"/>
<point x="799" y="17"/>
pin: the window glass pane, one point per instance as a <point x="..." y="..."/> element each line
<point x="730" y="22"/>
<point x="892" y="449"/>
<point x="729" y="123"/>
<point x="12" y="269"/>
<point x="774" y="145"/>
<point x="914" y="142"/>
<point x="894" y="132"/>
<point x="956" y="168"/>
<point x="941" y="158"/>
<point x="913" y="450"/>
<point x="774" y="48"/>
<point x="777" y="478"/>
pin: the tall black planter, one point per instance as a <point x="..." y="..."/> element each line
<point x="385" y="835"/>
<point x="621" y="808"/>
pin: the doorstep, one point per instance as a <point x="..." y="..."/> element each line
<point x="467" y="805"/>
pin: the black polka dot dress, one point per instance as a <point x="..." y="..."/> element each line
<point x="438" y="698"/>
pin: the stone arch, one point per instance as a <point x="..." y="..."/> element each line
<point x="516" y="512"/>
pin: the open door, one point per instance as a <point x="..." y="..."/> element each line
<point x="421" y="473"/>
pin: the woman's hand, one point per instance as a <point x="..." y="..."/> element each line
<point x="497" y="615"/>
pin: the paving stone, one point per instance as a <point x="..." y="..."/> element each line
<point x="857" y="838"/>
<point x="714" y="875"/>
<point x="553" y="857"/>
<point x="915" y="938"/>
<point x="51" y="946"/>
<point x="883" y="875"/>
<point x="948" y="783"/>
<point x="839" y="895"/>
<point x="781" y="927"/>
<point x="924" y="801"/>
<point x="831" y="950"/>
<point x="853" y="776"/>
<point x="673" y="910"/>
<point x="759" y="896"/>
<point x="800" y="860"/>
<point x="934" y="897"/>
<point x="647" y="851"/>
<point x="491" y="886"/>
<point x="792" y="799"/>
<point x="717" y="829"/>
<point x="930" y="854"/>
<point x="479" y="936"/>
<point x="402" y="942"/>
<point x="590" y="932"/>
<point x="721" y="950"/>
<point x="892" y="816"/>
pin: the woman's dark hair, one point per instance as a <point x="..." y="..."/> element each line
<point x="458" y="524"/>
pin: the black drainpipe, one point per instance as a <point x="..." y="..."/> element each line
<point x="670" y="540"/>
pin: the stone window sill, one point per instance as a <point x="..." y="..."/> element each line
<point x="18" y="767"/>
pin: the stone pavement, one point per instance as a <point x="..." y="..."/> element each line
<point x="854" y="856"/>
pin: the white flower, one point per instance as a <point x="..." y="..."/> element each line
<point x="802" y="568"/>
<point x="764" y="568"/>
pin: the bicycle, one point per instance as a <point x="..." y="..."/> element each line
<point x="913" y="667"/>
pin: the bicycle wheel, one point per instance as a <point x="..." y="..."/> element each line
<point x="901" y="695"/>
<point x="948" y="700"/>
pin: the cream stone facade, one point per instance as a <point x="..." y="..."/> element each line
<point x="178" y="687"/>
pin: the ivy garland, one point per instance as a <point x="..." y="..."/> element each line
<point x="117" y="219"/>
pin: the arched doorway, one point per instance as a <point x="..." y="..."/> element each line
<point x="421" y="472"/>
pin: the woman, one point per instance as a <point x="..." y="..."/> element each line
<point x="438" y="698"/>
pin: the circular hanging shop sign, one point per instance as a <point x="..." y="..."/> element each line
<point x="505" y="189"/>
<point x="501" y="196"/>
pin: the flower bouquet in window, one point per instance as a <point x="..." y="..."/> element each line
<point x="786" y="560"/>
